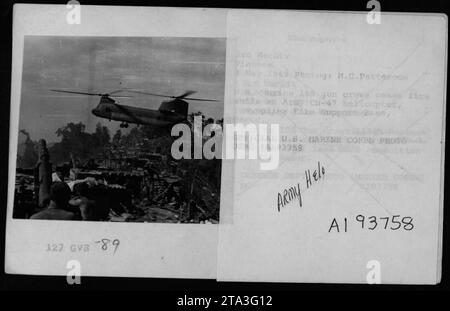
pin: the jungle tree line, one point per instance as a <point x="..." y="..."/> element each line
<point x="76" y="142"/>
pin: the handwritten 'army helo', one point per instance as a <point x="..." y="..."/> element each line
<point x="170" y="112"/>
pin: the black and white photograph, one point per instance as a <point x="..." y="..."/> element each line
<point x="96" y="115"/>
<point x="225" y="148"/>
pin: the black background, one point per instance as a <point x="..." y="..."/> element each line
<point x="179" y="287"/>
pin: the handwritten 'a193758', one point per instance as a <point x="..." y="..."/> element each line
<point x="293" y="193"/>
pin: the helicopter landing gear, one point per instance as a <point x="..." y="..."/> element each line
<point x="123" y="125"/>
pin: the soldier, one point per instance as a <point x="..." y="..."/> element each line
<point x="58" y="208"/>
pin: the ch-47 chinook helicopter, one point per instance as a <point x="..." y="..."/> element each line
<point x="170" y="112"/>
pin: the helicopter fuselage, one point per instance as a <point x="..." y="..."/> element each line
<point x="136" y="115"/>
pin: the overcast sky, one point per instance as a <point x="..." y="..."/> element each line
<point x="103" y="64"/>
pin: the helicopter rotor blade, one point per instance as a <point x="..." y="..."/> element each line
<point x="114" y="92"/>
<point x="187" y="93"/>
<point x="152" y="94"/>
<point x="94" y="94"/>
<point x="201" y="99"/>
<point x="81" y="93"/>
<point x="119" y="96"/>
<point x="182" y="96"/>
<point x="118" y="91"/>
